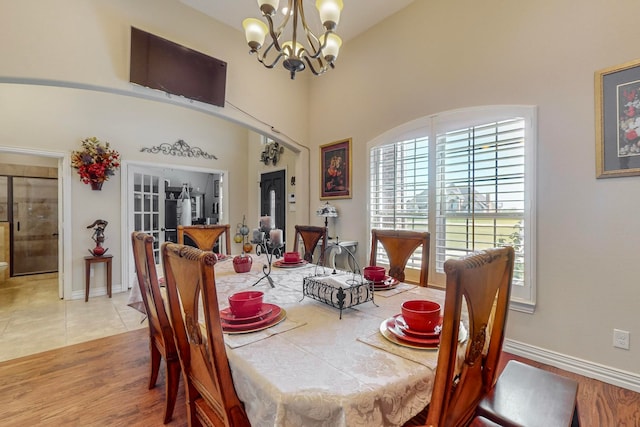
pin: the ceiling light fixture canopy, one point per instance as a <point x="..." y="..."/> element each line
<point x="319" y="53"/>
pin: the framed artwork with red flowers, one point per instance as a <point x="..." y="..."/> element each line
<point x="618" y="120"/>
<point x="335" y="170"/>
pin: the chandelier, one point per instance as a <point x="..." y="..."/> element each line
<point x="319" y="53"/>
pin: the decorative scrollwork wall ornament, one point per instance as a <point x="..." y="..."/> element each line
<point x="271" y="153"/>
<point x="178" y="149"/>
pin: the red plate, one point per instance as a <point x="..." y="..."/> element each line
<point x="398" y="333"/>
<point x="244" y="327"/>
<point x="280" y="263"/>
<point x="229" y="317"/>
<point x="402" y="325"/>
<point x="387" y="283"/>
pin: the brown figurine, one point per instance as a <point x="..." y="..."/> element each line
<point x="98" y="236"/>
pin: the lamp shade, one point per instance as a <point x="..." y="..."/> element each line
<point x="268" y="6"/>
<point x="287" y="48"/>
<point x="255" y="31"/>
<point x="329" y="12"/>
<point x="327" y="210"/>
<point x="332" y="48"/>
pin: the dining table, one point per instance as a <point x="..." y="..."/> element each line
<point x="320" y="367"/>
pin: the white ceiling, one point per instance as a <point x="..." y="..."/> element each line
<point x="357" y="15"/>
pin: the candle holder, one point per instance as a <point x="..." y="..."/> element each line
<point x="265" y="246"/>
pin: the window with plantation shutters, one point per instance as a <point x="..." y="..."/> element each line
<point x="480" y="191"/>
<point x="399" y="183"/>
<point x="467" y="177"/>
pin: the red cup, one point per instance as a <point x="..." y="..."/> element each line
<point x="421" y="315"/>
<point x="246" y="304"/>
<point x="291" y="257"/>
<point x="373" y="273"/>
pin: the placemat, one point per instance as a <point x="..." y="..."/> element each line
<point x="402" y="287"/>
<point x="427" y="357"/>
<point x="239" y="340"/>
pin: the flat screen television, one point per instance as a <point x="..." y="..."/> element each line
<point x="160" y="64"/>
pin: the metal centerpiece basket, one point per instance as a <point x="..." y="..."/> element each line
<point x="338" y="289"/>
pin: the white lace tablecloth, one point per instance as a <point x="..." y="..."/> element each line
<point x="319" y="370"/>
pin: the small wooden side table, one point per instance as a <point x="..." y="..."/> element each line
<point x="88" y="260"/>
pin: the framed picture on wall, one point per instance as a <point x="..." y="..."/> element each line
<point x="618" y="120"/>
<point x="335" y="170"/>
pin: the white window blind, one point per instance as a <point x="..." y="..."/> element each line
<point x="399" y="189"/>
<point x="472" y="173"/>
<point x="481" y="191"/>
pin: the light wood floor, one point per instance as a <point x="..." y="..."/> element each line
<point x="88" y="385"/>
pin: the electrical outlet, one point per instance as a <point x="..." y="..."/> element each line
<point x="621" y="339"/>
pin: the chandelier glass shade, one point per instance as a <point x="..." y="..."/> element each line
<point x="298" y="47"/>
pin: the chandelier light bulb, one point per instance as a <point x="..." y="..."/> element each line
<point x="268" y="7"/>
<point x="332" y="47"/>
<point x="287" y="48"/>
<point x="329" y="12"/>
<point x="255" y="32"/>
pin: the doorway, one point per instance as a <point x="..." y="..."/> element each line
<point x="272" y="197"/>
<point x="49" y="165"/>
<point x="34" y="219"/>
<point x="150" y="193"/>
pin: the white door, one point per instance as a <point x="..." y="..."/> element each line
<point x="146" y="196"/>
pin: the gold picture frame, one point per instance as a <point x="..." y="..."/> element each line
<point x="617" y="98"/>
<point x="335" y="170"/>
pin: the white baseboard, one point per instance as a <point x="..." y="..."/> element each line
<point x="617" y="377"/>
<point x="97" y="292"/>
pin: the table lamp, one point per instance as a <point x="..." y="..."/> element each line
<point x="327" y="211"/>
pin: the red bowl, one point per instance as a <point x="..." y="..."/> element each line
<point x="291" y="257"/>
<point x="421" y="315"/>
<point x="246" y="304"/>
<point x="373" y="273"/>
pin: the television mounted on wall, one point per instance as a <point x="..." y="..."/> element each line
<point x="161" y="64"/>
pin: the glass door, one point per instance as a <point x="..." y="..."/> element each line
<point x="147" y="196"/>
<point x="35" y="225"/>
<point x="145" y="211"/>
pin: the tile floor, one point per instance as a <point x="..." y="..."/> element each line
<point x="33" y="319"/>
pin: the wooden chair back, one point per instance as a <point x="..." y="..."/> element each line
<point x="205" y="236"/>
<point x="483" y="281"/>
<point x="191" y="292"/>
<point x="399" y="246"/>
<point x="161" y="342"/>
<point x="311" y="235"/>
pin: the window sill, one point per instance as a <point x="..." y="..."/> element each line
<point x="524" y="306"/>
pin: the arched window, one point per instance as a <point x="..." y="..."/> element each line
<point x="467" y="177"/>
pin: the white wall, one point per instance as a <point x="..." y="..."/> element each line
<point x="56" y="119"/>
<point x="444" y="54"/>
<point x="70" y="60"/>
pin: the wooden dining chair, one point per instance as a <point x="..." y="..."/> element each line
<point x="482" y="280"/>
<point x="470" y="392"/>
<point x="205" y="236"/>
<point x="209" y="390"/>
<point x="399" y="246"/>
<point x="161" y="343"/>
<point x="311" y="235"/>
